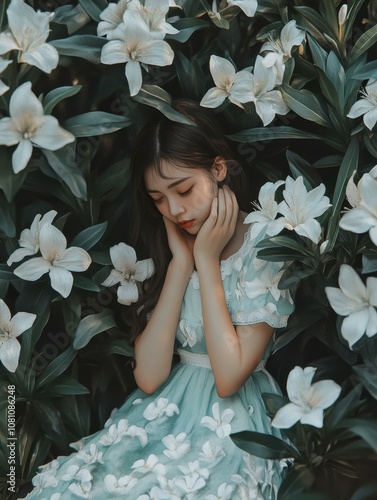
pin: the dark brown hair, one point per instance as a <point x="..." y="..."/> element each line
<point x="184" y="145"/>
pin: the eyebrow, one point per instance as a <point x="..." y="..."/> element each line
<point x="173" y="184"/>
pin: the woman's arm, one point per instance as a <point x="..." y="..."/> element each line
<point x="154" y="347"/>
<point x="234" y="352"/>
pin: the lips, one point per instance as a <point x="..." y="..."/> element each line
<point x="185" y="224"/>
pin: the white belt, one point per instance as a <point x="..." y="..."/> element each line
<point x="191" y="358"/>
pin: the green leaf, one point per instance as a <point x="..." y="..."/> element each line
<point x="282" y="241"/>
<point x="318" y="53"/>
<point x="10" y="183"/>
<point x="353" y="8"/>
<point x="191" y="76"/>
<point x="300" y="167"/>
<point x="328" y="162"/>
<point x="273" y="402"/>
<point x="63" y="164"/>
<point x="92" y="325"/>
<point x="57" y="95"/>
<point x="367" y="40"/>
<point x="365" y="428"/>
<point x="298" y="479"/>
<point x="366" y="71"/>
<point x="7" y="216"/>
<point x="305" y="104"/>
<point x="278" y="254"/>
<point x="263" y="445"/>
<point x="348" y="165"/>
<point x="368" y="377"/>
<point x="50" y="419"/>
<point x="94" y="8"/>
<point x="342" y="408"/>
<point x="85" y="284"/>
<point x="271" y="133"/>
<point x="156" y="97"/>
<point x="113" y="180"/>
<point x="120" y="346"/>
<point x="85" y="46"/>
<point x="187" y="26"/>
<point x="316" y="20"/>
<point x="56" y="367"/>
<point x="95" y="123"/>
<point x="65" y="385"/>
<point x="30" y="338"/>
<point x="87" y="238"/>
<point x="297" y="325"/>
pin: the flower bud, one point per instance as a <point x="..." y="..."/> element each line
<point x="342" y="14"/>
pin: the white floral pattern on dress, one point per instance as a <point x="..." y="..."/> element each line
<point x="159" y="408"/>
<point x="188" y="333"/>
<point x="219" y="423"/>
<point x="116" y="433"/>
<point x="120" y="486"/>
<point x="150" y="465"/>
<point x="176" y="446"/>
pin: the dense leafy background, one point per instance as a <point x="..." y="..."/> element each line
<point x="74" y="365"/>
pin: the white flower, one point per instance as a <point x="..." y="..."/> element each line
<point x="134" y="45"/>
<point x="111" y="17"/>
<point x="267" y="209"/>
<point x="28" y="126"/>
<point x="194" y="468"/>
<point x="190" y="484"/>
<point x="280" y="49"/>
<point x="355" y="301"/>
<point x="153" y="12"/>
<point x="29" y="238"/>
<point x="4" y="63"/>
<point x="189" y="334"/>
<point x="157" y="493"/>
<point x="210" y="452"/>
<point x="267" y="102"/>
<point x="229" y="84"/>
<point x="177" y="446"/>
<point x="81" y="489"/>
<point x="224" y="492"/>
<point x="249" y="7"/>
<point x="44" y="480"/>
<point x="342" y="14"/>
<point x="268" y="282"/>
<point x="160" y="408"/>
<point x="28" y="31"/>
<point x="363" y="217"/>
<point x="219" y="423"/>
<point x="149" y="465"/>
<point x="120" y="486"/>
<point x="115" y="433"/>
<point x="10" y="328"/>
<point x="307" y="400"/>
<point x="76" y="473"/>
<point x="367" y="105"/>
<point x="94" y="455"/>
<point x="56" y="259"/>
<point x="301" y="207"/>
<point x="126" y="272"/>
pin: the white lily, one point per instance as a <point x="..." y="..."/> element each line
<point x="29" y="238"/>
<point x="355" y="301"/>
<point x="307" y="400"/>
<point x="127" y="271"/>
<point x="111" y="17"/>
<point x="249" y="7"/>
<point x="301" y="207"/>
<point x="10" y="329"/>
<point x="134" y="46"/>
<point x="367" y="105"/>
<point x="280" y="49"/>
<point x="363" y="217"/>
<point x="28" y="31"/>
<point x="229" y="84"/>
<point x="267" y="102"/>
<point x="267" y="283"/>
<point x="154" y="14"/>
<point x="28" y="126"/>
<point x="4" y="63"/>
<point x="56" y="259"/>
<point x="267" y="209"/>
<point x="220" y="423"/>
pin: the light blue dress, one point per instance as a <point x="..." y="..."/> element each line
<point x="175" y="444"/>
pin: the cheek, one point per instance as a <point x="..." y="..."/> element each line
<point x="203" y="197"/>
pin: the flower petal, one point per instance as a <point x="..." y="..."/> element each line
<point x="311" y="229"/>
<point x="4" y="312"/>
<point x="144" y="270"/>
<point x="127" y="293"/>
<point x="222" y="71"/>
<point x="61" y="280"/>
<point x="287" y="416"/>
<point x="213" y="98"/>
<point x="298" y="383"/>
<point x="33" y="269"/>
<point x="351" y="284"/>
<point x="314" y="418"/>
<point x="113" y="278"/>
<point x="21" y="322"/>
<point x="10" y="353"/>
<point x="370" y="118"/>
<point x="52" y="242"/>
<point x="357" y="220"/>
<point x="45" y="57"/>
<point x="341" y="304"/>
<point x="50" y="135"/>
<point x="123" y="257"/>
<point x="156" y="52"/>
<point x="134" y="77"/>
<point x="74" y="259"/>
<point x="22" y="155"/>
<point x="324" y="393"/>
<point x="354" y="326"/>
<point x="24" y="105"/>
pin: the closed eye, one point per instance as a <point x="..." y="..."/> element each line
<point x="185" y="193"/>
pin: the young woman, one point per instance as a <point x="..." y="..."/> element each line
<point x="212" y="301"/>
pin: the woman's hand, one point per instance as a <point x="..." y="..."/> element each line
<point x="180" y="244"/>
<point x="219" y="228"/>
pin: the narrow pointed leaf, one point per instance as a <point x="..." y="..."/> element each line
<point x="363" y="43"/>
<point x="89" y="236"/>
<point x="56" y="367"/>
<point x="92" y="325"/>
<point x="306" y="105"/>
<point x="57" y="95"/>
<point x="263" y="445"/>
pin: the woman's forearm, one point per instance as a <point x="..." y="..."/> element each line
<point x="154" y="347"/>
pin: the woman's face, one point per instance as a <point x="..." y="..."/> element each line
<point x="184" y="197"/>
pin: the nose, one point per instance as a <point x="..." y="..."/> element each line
<point x="175" y="207"/>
